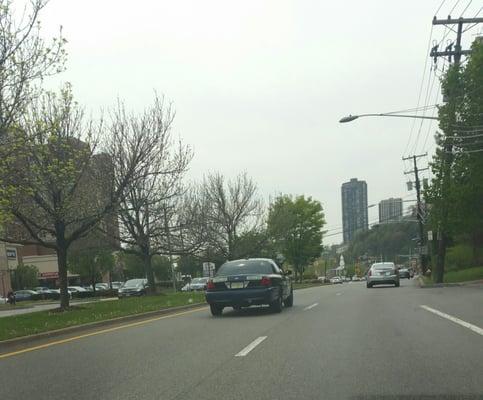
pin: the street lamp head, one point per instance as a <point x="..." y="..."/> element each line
<point x="349" y="118"/>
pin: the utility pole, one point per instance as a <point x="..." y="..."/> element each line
<point x="419" y="216"/>
<point x="168" y="237"/>
<point x="447" y="157"/>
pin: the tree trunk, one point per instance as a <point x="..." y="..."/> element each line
<point x="148" y="270"/>
<point x="439" y="270"/>
<point x="62" y="266"/>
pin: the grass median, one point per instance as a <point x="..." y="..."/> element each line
<point x="462" y="275"/>
<point x="44" y="321"/>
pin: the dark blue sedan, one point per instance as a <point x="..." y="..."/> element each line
<point x="254" y="281"/>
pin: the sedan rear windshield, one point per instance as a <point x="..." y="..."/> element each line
<point x="245" y="267"/>
<point x="384" y="266"/>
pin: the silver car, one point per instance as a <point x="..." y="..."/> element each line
<point x="382" y="274"/>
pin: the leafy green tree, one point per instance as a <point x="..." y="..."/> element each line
<point x="25" y="277"/>
<point x="295" y="226"/>
<point x="91" y="264"/>
<point x="456" y="191"/>
<point x="385" y="241"/>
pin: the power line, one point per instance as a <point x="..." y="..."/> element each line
<point x="462" y="12"/>
<point x="472" y="26"/>
<point x="421" y="85"/>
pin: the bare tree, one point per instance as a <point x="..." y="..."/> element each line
<point x="25" y="59"/>
<point x="56" y="185"/>
<point x="234" y="210"/>
<point x="149" y="205"/>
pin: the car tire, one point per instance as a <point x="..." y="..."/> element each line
<point x="277" y="305"/>
<point x="216" y="310"/>
<point x="368" y="285"/>
<point x="396" y="284"/>
<point x="288" y="302"/>
<point x="237" y="308"/>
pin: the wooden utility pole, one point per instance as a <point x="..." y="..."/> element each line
<point x="422" y="239"/>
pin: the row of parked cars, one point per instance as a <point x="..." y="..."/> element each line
<point x="46" y="293"/>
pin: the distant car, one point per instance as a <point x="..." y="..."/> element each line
<point x="116" y="285"/>
<point x="382" y="274"/>
<point x="356" y="278"/>
<point x="57" y="291"/>
<point x="404" y="273"/>
<point x="76" y="289"/>
<point x="102" y="286"/>
<point x="323" y="279"/>
<point x="336" y="279"/>
<point x="44" y="292"/>
<point x="133" y="287"/>
<point x="195" y="284"/>
<point x="3" y="300"/>
<point x="21" y="295"/>
<point x="254" y="281"/>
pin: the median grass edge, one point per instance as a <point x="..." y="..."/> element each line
<point x="97" y="324"/>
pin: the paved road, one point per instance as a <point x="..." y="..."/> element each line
<point x="337" y="342"/>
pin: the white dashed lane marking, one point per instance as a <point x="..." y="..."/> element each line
<point x="251" y="346"/>
<point x="311" y="306"/>
<point x="458" y="321"/>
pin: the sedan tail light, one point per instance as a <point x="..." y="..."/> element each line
<point x="210" y="285"/>
<point x="369" y="273"/>
<point x="266" y="281"/>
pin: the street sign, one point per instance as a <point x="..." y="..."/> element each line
<point x="208" y="269"/>
<point x="430" y="235"/>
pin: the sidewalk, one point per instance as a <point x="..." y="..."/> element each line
<point x="44" y="307"/>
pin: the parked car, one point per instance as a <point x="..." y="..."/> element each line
<point x="3" y="300"/>
<point x="404" y="273"/>
<point x="44" y="292"/>
<point x="76" y="289"/>
<point x="116" y="285"/>
<point x="382" y="274"/>
<point x="21" y="295"/>
<point x="336" y="279"/>
<point x="195" y="284"/>
<point x="133" y="287"/>
<point x="243" y="283"/>
<point x="57" y="291"/>
<point x="102" y="286"/>
<point x="323" y="279"/>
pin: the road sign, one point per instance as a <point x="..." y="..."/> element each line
<point x="208" y="269"/>
<point x="430" y="235"/>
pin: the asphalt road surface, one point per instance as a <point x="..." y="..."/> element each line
<point x="337" y="342"/>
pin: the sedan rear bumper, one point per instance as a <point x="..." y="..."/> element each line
<point x="381" y="280"/>
<point x="242" y="297"/>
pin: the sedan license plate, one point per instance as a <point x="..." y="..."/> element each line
<point x="237" y="285"/>
<point x="387" y="273"/>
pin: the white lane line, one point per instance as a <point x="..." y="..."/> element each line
<point x="311" y="306"/>
<point x="251" y="346"/>
<point x="338" y="294"/>
<point x="458" y="321"/>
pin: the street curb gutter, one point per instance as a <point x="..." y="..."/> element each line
<point x="4" y="344"/>
<point x="423" y="285"/>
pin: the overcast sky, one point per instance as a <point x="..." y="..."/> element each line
<point x="259" y="86"/>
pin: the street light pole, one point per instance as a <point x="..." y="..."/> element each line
<point x="351" y="118"/>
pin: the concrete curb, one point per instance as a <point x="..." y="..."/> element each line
<point x="98" y="324"/>
<point x="423" y="285"/>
